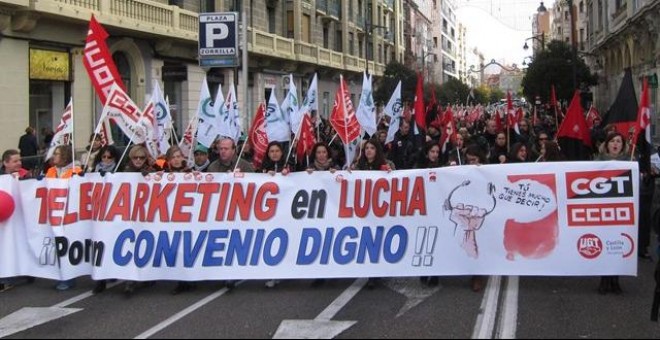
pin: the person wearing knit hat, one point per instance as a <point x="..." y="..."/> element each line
<point x="201" y="162"/>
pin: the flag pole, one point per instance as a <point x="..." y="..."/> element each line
<point x="73" y="139"/>
<point x="458" y="154"/>
<point x="247" y="140"/>
<point x="240" y="154"/>
<point x="296" y="137"/>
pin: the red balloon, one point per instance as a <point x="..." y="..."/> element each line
<point x="7" y="206"/>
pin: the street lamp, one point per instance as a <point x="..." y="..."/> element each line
<point x="573" y="42"/>
<point x="541" y="8"/>
<point x="536" y="37"/>
<point x="369" y="29"/>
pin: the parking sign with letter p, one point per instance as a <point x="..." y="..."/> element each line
<point x="218" y="39"/>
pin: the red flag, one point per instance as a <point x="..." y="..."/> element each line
<point x="434" y="100"/>
<point x="258" y="136"/>
<point x="592" y="115"/>
<point x="553" y="97"/>
<point x="98" y="61"/>
<point x="307" y="139"/>
<point x="420" y="113"/>
<point x="498" y="121"/>
<point x="574" y="126"/>
<point x="448" y="128"/>
<point x="511" y="118"/>
<point x="343" y="118"/>
<point x="643" y="115"/>
<point x="101" y="69"/>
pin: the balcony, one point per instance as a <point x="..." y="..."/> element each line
<point x="272" y="45"/>
<point x="331" y="9"/>
<point x="139" y="15"/>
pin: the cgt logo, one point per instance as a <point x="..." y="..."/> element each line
<point x="599" y="184"/>
<point x="589" y="246"/>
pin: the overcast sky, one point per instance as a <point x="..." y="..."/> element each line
<point x="498" y="28"/>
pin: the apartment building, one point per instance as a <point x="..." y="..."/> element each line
<point x="461" y="53"/>
<point x="541" y="29"/>
<point x="448" y="41"/>
<point x="41" y="46"/>
<point x="622" y="34"/>
<point x="561" y="22"/>
<point x="417" y="35"/>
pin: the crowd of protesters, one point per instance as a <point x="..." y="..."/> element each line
<point x="478" y="141"/>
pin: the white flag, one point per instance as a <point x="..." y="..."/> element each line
<point x="366" y="111"/>
<point x="291" y="106"/>
<point x="351" y="150"/>
<point x="230" y="125"/>
<point x="311" y="100"/>
<point x="186" y="143"/>
<point x="312" y="97"/>
<point x="394" y="111"/>
<point x="163" y="128"/>
<point x="125" y="113"/>
<point x="277" y="126"/>
<point x="207" y="130"/>
<point x="150" y="126"/>
<point x="64" y="130"/>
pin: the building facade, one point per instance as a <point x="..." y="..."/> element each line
<point x="448" y="40"/>
<point x="541" y="29"/>
<point x="624" y="34"/>
<point x="156" y="41"/>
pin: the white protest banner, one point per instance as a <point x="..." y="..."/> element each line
<point x="570" y="218"/>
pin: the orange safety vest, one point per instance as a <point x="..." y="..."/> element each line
<point x="52" y="172"/>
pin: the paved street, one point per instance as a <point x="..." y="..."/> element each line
<point x="545" y="307"/>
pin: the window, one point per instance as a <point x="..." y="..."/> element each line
<point x="600" y="15"/>
<point x="351" y="13"/>
<point x="271" y="20"/>
<point x="380" y="53"/>
<point x="351" y="42"/>
<point x="326" y="37"/>
<point x="306" y="27"/>
<point x="338" y="41"/>
<point x="581" y="7"/>
<point x="361" y="47"/>
<point x="289" y="24"/>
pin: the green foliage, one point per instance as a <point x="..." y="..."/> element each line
<point x="395" y="71"/>
<point x="453" y="92"/>
<point x="482" y="95"/>
<point x="495" y="95"/>
<point x="553" y="66"/>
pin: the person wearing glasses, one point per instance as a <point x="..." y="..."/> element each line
<point x="104" y="162"/>
<point x="541" y="138"/>
<point x="138" y="161"/>
<point x="106" y="159"/>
